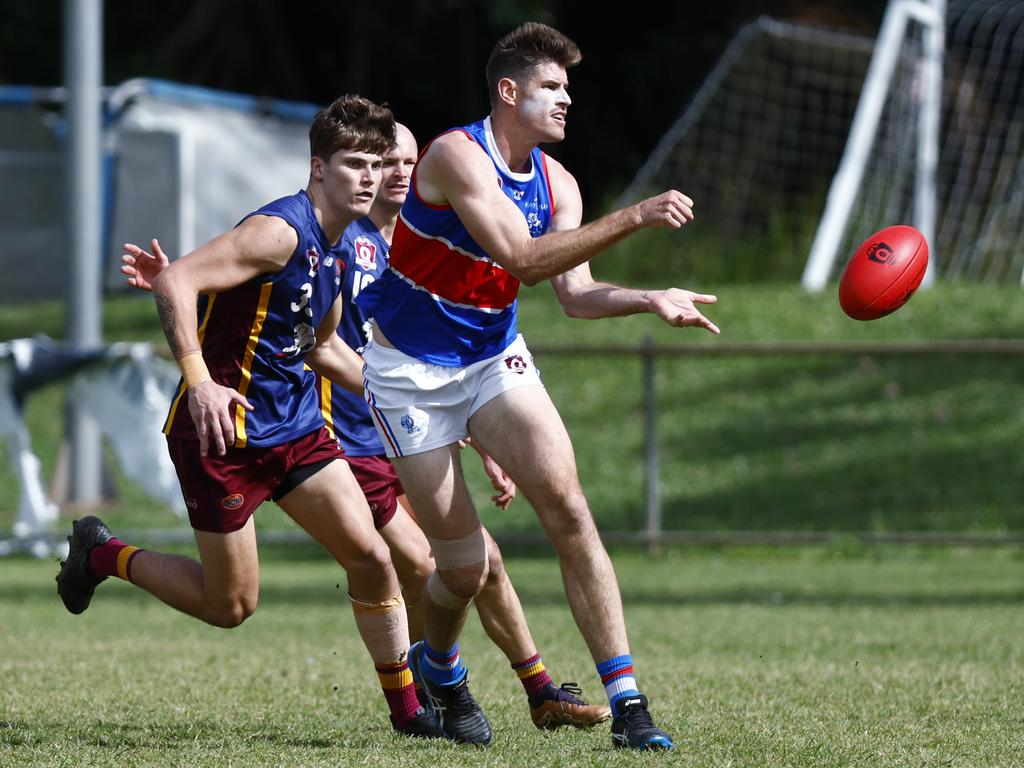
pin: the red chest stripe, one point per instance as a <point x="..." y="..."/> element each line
<point x="450" y="275"/>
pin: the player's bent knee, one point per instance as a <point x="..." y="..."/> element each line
<point x="495" y="564"/>
<point x="455" y="590"/>
<point x="373" y="561"/>
<point x="572" y="524"/>
<point x="461" y="569"/>
<point x="420" y="573"/>
<point x="232" y="612"/>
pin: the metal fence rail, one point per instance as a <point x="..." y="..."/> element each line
<point x="653" y="535"/>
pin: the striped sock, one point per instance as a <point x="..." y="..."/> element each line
<point x="399" y="691"/>
<point x="617" y="675"/>
<point x="114" y="558"/>
<point x="442" y="667"/>
<point x="532" y="674"/>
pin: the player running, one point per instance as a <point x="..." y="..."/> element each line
<point x="366" y="244"/>
<point x="445" y="359"/>
<point x="245" y="425"/>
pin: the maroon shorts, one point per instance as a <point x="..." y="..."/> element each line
<point x="222" y="492"/>
<point x="380" y="485"/>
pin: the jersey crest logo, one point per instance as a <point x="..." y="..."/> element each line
<point x="366" y="252"/>
<point x="535" y="224"/>
<point x="314" y="261"/>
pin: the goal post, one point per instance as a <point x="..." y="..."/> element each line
<point x="846" y="185"/>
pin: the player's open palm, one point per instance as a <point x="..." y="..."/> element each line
<point x="502" y="483"/>
<point x="669" y="209"/>
<point x="140" y="266"/>
<point x="677" y="307"/>
<point x="212" y="408"/>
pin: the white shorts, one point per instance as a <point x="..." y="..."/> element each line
<point x="419" y="406"/>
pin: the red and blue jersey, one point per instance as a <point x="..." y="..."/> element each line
<point x="443" y="299"/>
<point x="255" y="336"/>
<point x="347" y="415"/>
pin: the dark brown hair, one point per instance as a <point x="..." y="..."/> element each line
<point x="525" y="47"/>
<point x="352" y="122"/>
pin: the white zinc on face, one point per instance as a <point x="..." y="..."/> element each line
<point x="546" y="92"/>
<point x="540" y="102"/>
<point x="545" y="99"/>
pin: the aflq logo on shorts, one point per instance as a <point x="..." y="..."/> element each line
<point x="881" y="253"/>
<point x="234" y="501"/>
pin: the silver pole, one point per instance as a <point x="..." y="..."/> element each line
<point x="844" y="187"/>
<point x="925" y="190"/>
<point x="83" y="45"/>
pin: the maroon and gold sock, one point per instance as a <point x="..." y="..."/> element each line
<point x="532" y="674"/>
<point x="399" y="691"/>
<point x="114" y="558"/>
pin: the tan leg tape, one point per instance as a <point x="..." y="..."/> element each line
<point x="443" y="596"/>
<point x="384" y="629"/>
<point x="450" y="554"/>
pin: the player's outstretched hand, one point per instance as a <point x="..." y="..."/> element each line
<point x="669" y="209"/>
<point x="212" y="408"/>
<point x="141" y="267"/>
<point x="501" y="482"/>
<point x="676" y="306"/>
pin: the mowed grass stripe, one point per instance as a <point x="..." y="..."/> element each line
<point x="799" y="657"/>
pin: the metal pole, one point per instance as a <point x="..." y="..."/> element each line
<point x="83" y="36"/>
<point x="652" y="464"/>
<point x="847" y="180"/>
<point x="925" y="195"/>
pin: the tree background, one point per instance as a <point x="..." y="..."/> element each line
<point x="642" y="61"/>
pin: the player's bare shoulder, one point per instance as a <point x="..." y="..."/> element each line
<point x="453" y="163"/>
<point x="559" y="176"/>
<point x="565" y="194"/>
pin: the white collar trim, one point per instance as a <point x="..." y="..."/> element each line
<point x="499" y="160"/>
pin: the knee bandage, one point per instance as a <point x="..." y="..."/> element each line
<point x="383" y="627"/>
<point x="450" y="554"/>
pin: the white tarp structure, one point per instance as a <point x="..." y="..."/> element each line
<point x="123" y="386"/>
<point x="181" y="164"/>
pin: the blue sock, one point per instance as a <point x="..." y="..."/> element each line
<point x="617" y="675"/>
<point x="442" y="667"/>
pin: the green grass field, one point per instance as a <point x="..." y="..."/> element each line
<point x="819" y="443"/>
<point x="841" y="655"/>
<point x="751" y="658"/>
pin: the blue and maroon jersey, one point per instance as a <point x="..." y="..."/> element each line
<point x="255" y="336"/>
<point x="347" y="415"/>
<point x="443" y="299"/>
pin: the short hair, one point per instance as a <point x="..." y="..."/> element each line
<point x="352" y="122"/>
<point x="526" y="47"/>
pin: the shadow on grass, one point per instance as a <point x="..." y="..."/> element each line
<point x="195" y="735"/>
<point x="917" y="448"/>
<point x="533" y="594"/>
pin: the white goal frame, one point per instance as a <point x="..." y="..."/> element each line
<point x="931" y="14"/>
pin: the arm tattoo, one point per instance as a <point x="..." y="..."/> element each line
<point x="166" y="312"/>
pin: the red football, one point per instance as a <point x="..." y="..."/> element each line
<point x="883" y="273"/>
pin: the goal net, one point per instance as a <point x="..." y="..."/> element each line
<point x="759" y="145"/>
